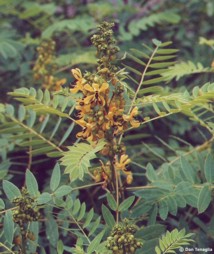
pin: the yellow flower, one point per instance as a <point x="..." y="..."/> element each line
<point x="59" y="83"/>
<point x="124" y="160"/>
<point x="131" y="118"/>
<point x="83" y="109"/>
<point x="113" y="117"/>
<point x="96" y="94"/>
<point x="129" y="178"/>
<point x="77" y="73"/>
<point x="79" y="86"/>
<point x="86" y="133"/>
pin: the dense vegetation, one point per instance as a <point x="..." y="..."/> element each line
<point x="106" y="127"/>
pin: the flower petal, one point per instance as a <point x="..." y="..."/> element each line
<point x="88" y="99"/>
<point x="88" y="88"/>
<point x="104" y="87"/>
<point x="77" y="73"/>
<point x="95" y="87"/>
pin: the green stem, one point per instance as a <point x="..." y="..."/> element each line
<point x="36" y="134"/>
<point x="4" y="246"/>
<point x="116" y="186"/>
<point x="139" y="86"/>
<point x="80" y="228"/>
<point x="142" y="79"/>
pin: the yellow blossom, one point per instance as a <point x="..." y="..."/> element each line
<point x="131" y="118"/>
<point x="59" y="83"/>
<point x="79" y="85"/>
<point x="96" y="94"/>
<point x="124" y="160"/>
<point x="129" y="178"/>
<point x="86" y="133"/>
<point x="82" y="107"/>
<point x="113" y="118"/>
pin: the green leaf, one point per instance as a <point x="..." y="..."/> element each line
<point x="44" y="109"/>
<point x="81" y="212"/>
<point x="183" y="68"/>
<point x="42" y="150"/>
<point x="89" y="217"/>
<point x="76" y="58"/>
<point x="79" y="24"/>
<point x="125" y="205"/>
<point x="163" y="184"/>
<point x="188" y="172"/>
<point x="95" y="243"/>
<point x="153" y="81"/>
<point x="76" y="206"/>
<point x="69" y="202"/>
<point x="2" y="205"/>
<point x="62" y="191"/>
<point x="77" y="159"/>
<point x="44" y="198"/>
<point x="209" y="168"/>
<point x="9" y="110"/>
<point x="160" y="65"/>
<point x="60" y="247"/>
<point x="34" y="228"/>
<point x="172" y="241"/>
<point x="153" y="215"/>
<point x="156" y="42"/>
<point x="55" y="178"/>
<point x="140" y="209"/>
<point x="150" y="232"/>
<point x="166" y="51"/>
<point x="47" y="97"/>
<point x="157" y="250"/>
<point x="173" y="208"/>
<point x="8" y="227"/>
<point x="66" y="134"/>
<point x="111" y="202"/>
<point x="151" y="173"/>
<point x="148" y="247"/>
<point x="31" y="183"/>
<point x="94" y="227"/>
<point x="163" y="209"/>
<point x="8" y="48"/>
<point x="54" y="154"/>
<point x="108" y="217"/>
<point x="204" y="199"/>
<point x="11" y="190"/>
<point x="32" y="143"/>
<point x="21" y="113"/>
<point x="52" y="231"/>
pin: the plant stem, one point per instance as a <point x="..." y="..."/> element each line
<point x="139" y="86"/>
<point x="24" y="244"/>
<point x="116" y="191"/>
<point x="4" y="246"/>
<point x="142" y="78"/>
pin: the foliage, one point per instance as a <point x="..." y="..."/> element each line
<point x="173" y="240"/>
<point x="118" y="157"/>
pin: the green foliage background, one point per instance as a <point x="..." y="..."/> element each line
<point x="172" y="151"/>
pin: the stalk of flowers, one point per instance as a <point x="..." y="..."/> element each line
<point x="98" y="114"/>
<point x="45" y="68"/>
<point x="101" y="109"/>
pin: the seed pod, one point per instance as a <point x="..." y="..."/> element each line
<point x="31" y="236"/>
<point x="17" y="240"/>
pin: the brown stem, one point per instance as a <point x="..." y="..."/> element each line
<point x="24" y="244"/>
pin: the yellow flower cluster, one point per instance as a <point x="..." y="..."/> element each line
<point x="121" y="165"/>
<point x="100" y="114"/>
<point x="45" y="68"/>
